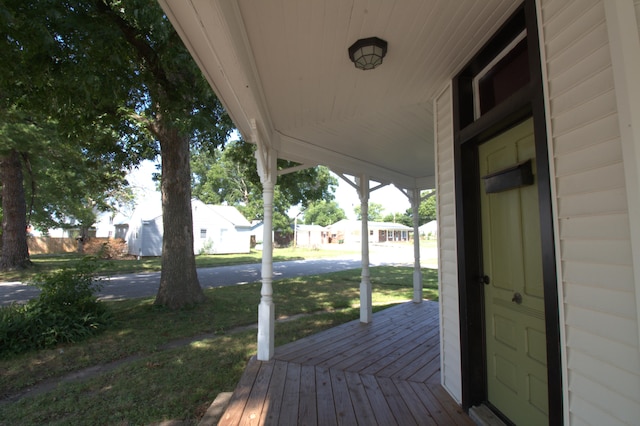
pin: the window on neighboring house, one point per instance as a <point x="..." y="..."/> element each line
<point x="390" y="235"/>
<point x="371" y="232"/>
<point x="203" y="233"/>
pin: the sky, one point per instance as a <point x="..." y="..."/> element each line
<point x="391" y="198"/>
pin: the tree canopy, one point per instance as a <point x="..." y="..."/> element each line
<point x="375" y="212"/>
<point x="323" y="213"/>
<point x="230" y="175"/>
<point x="116" y="75"/>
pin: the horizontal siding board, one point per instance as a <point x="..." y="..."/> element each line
<point x="598" y="299"/>
<point x="586" y="413"/>
<point x="591" y="157"/>
<point x="580" y="114"/>
<point x="600" y="313"/>
<point x="612" y="226"/>
<point x="608" y="351"/>
<point x="558" y="15"/>
<point x="618" y="407"/>
<point x="582" y="47"/>
<point x="604" y="252"/>
<point x="580" y="92"/>
<point x="617" y="277"/>
<point x="580" y="73"/>
<point x="602" y="178"/>
<point x="611" y="327"/>
<point x="600" y="202"/>
<point x="598" y="130"/>
<point x="624" y="381"/>
<point x="577" y="23"/>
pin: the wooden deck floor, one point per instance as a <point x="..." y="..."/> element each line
<point x="384" y="373"/>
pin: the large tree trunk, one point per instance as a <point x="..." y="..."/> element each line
<point x="15" y="252"/>
<point x="179" y="284"/>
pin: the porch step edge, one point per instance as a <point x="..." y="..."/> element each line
<point x="483" y="416"/>
<point x="216" y="409"/>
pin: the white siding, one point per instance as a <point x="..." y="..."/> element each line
<point x="599" y="308"/>
<point x="447" y="256"/>
<point x="637" y="7"/>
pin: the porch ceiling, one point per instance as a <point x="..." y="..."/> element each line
<point x="282" y="70"/>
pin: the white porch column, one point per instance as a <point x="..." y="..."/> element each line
<point x="414" y="197"/>
<point x="267" y="169"/>
<point x="366" y="312"/>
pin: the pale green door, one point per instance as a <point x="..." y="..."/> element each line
<point x="512" y="260"/>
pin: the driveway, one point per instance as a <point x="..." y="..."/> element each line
<point x="146" y="284"/>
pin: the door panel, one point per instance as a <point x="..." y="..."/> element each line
<point x="514" y="305"/>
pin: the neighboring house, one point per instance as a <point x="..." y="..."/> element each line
<point x="310" y="235"/>
<point x="216" y="230"/>
<point x="108" y="224"/>
<point x="219" y="229"/>
<point x="350" y="231"/>
<point x="429" y="230"/>
<point x="525" y="117"/>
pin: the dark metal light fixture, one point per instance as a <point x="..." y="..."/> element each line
<point x="367" y="53"/>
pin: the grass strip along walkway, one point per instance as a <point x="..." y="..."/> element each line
<point x="171" y="364"/>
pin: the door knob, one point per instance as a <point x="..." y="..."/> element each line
<point x="517" y="297"/>
<point x="484" y="279"/>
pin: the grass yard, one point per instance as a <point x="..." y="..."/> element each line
<point x="180" y="381"/>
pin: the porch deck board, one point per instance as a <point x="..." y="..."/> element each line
<point x="384" y="373"/>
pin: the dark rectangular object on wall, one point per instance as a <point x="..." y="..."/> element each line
<point x="510" y="178"/>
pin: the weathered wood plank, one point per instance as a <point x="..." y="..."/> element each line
<point x="369" y="348"/>
<point x="361" y="405"/>
<point x="414" y="403"/>
<point x="434" y="407"/>
<point x="325" y="350"/>
<point x="255" y="402"/>
<point x="379" y="404"/>
<point x="233" y="413"/>
<point x="455" y="412"/>
<point x="342" y="399"/>
<point x="290" y="396"/>
<point x="324" y="397"/>
<point x="289" y="350"/>
<point x="398" y="348"/>
<point x="275" y="393"/>
<point x="364" y="352"/>
<point x="397" y="404"/>
<point x="308" y="409"/>
<point x="408" y="368"/>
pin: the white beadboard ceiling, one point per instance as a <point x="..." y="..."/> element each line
<point x="282" y="70"/>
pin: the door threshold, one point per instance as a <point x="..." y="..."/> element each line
<point x="483" y="416"/>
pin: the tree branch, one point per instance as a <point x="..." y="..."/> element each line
<point x="143" y="50"/>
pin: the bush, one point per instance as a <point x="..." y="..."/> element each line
<point x="66" y="311"/>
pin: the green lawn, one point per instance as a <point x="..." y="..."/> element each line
<point x="180" y="382"/>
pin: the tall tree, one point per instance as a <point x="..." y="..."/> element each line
<point x="41" y="74"/>
<point x="15" y="253"/>
<point x="123" y="63"/>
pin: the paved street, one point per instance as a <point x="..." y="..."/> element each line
<point x="146" y="284"/>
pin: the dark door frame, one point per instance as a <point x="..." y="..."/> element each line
<point x="526" y="102"/>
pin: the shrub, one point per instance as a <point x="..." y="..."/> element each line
<point x="66" y="311"/>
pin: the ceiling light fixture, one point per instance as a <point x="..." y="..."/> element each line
<point x="367" y="53"/>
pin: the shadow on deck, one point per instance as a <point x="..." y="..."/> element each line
<point x="385" y="373"/>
